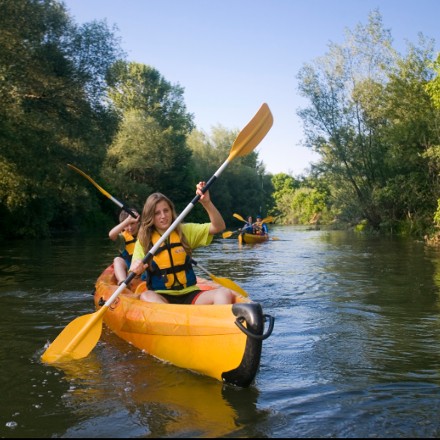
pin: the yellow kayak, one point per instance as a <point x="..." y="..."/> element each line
<point x="220" y="341"/>
<point x="244" y="237"/>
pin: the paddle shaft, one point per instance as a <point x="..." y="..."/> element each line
<point x="122" y="206"/>
<point x="103" y="191"/>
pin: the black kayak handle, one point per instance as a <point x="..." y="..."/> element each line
<point x="239" y="323"/>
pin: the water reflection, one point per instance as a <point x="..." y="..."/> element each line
<point x="159" y="400"/>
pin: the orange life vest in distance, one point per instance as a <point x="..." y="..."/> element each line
<point x="258" y="228"/>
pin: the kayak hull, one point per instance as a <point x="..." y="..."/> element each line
<point x="252" y="238"/>
<point x="207" y="339"/>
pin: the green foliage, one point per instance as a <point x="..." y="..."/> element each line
<point x="149" y="152"/>
<point x="47" y="114"/>
<point x="243" y="187"/>
<point x="362" y="226"/>
<point x="68" y="96"/>
<point x="141" y="87"/>
<point x="284" y="189"/>
<point x="143" y="159"/>
<point x="301" y="202"/>
<point x="437" y="215"/>
<point x="304" y="203"/>
<point x="433" y="86"/>
<point x="373" y="122"/>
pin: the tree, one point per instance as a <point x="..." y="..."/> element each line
<point x="47" y="115"/>
<point x="432" y="153"/>
<point x="150" y="152"/>
<point x="368" y="118"/>
<point x="411" y="188"/>
<point x="433" y="86"/>
<point x="244" y="187"/>
<point x="337" y="125"/>
<point x="284" y="190"/>
<point x="143" y="159"/>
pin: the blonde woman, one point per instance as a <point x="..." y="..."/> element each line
<point x="169" y="275"/>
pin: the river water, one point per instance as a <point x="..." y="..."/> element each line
<point x="355" y="351"/>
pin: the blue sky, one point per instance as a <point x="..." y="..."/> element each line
<point x="230" y="56"/>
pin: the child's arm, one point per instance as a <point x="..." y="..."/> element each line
<point x="114" y="233"/>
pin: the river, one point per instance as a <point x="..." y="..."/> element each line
<point x="355" y="350"/>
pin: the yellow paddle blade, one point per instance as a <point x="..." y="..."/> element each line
<point x="254" y="132"/>
<point x="103" y="191"/>
<point x="229" y="284"/>
<point x="222" y="281"/>
<point x="239" y="217"/>
<point x="228" y="234"/>
<point x="265" y="220"/>
<point x="77" y="340"/>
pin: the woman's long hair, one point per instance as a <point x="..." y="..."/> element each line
<point x="147" y="222"/>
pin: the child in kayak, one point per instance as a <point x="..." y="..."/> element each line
<point x="125" y="232"/>
<point x="260" y="228"/>
<point x="169" y="276"/>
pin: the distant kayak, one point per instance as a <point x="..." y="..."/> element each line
<point x="221" y="341"/>
<point x="244" y="237"/>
